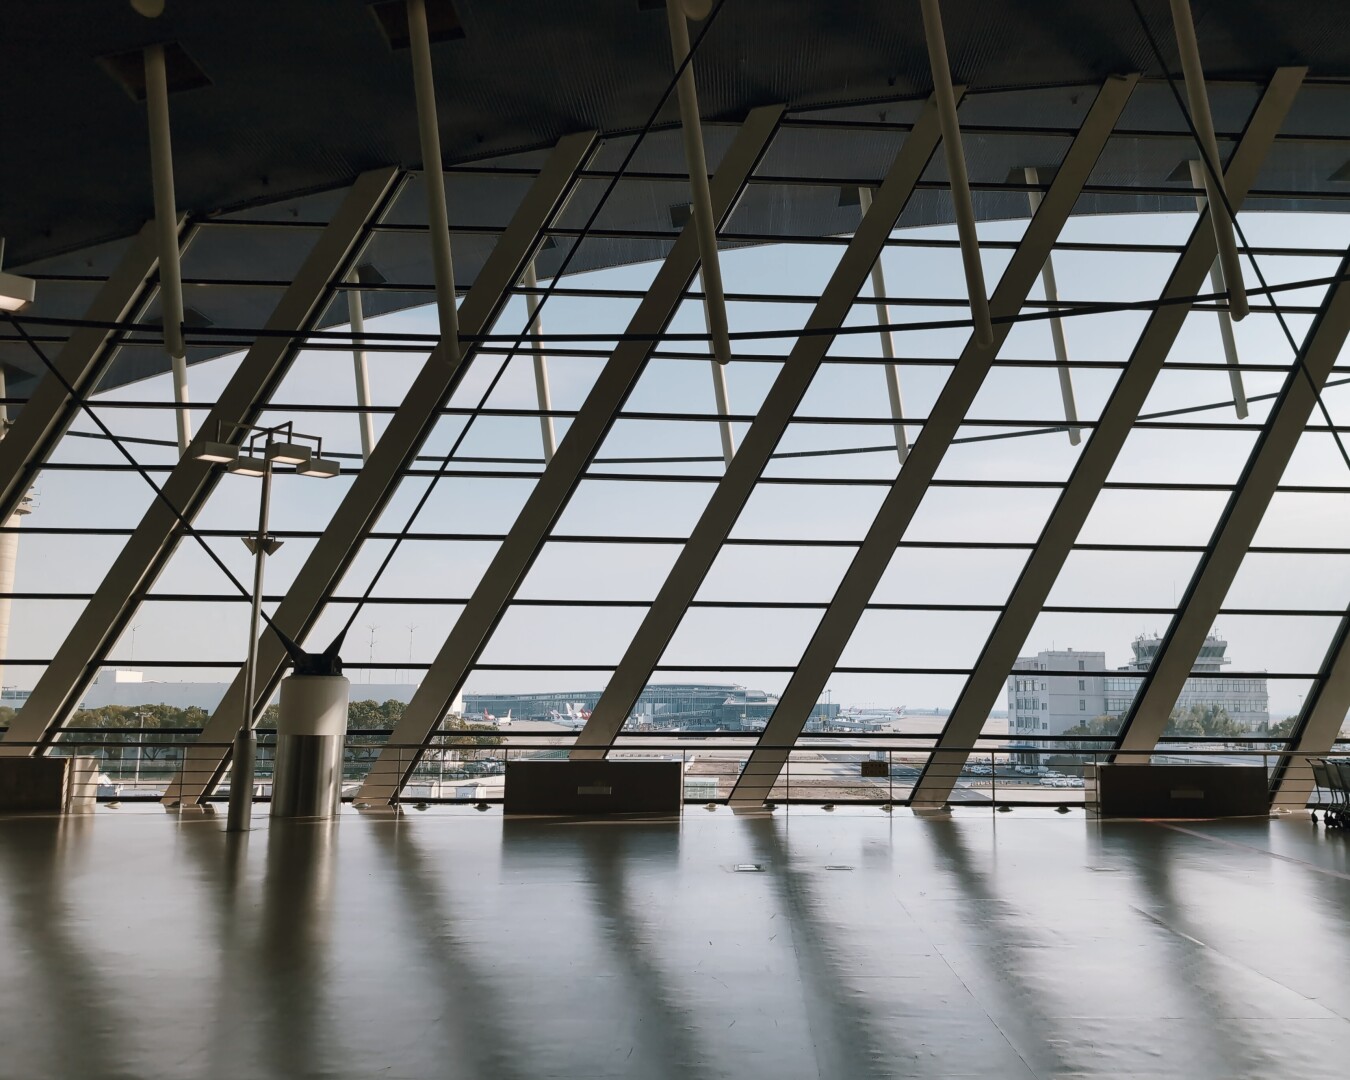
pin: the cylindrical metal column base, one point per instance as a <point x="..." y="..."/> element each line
<point x="311" y="730"/>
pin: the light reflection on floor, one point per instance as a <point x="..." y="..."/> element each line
<point x="138" y="944"/>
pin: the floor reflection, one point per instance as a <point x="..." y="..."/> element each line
<point x="142" y="945"/>
<point x="59" y="1015"/>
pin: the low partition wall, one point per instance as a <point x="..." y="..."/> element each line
<point x="559" y="786"/>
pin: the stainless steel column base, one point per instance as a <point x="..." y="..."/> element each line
<point x="311" y="730"/>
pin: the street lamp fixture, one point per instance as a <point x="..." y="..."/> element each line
<point x="263" y="449"/>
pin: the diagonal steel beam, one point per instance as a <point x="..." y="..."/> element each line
<point x="397" y="447"/>
<point x="771" y="421"/>
<point x="906" y="493"/>
<point x="1318" y="725"/>
<point x="45" y="416"/>
<point x="191" y="482"/>
<point x="1241" y="517"/>
<point x="987" y="680"/>
<point x="489" y="601"/>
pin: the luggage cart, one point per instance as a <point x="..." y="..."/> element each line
<point x="1333" y="776"/>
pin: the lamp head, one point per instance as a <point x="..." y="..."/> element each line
<point x="248" y="465"/>
<point x="323" y="468"/>
<point x="219" y="452"/>
<point x="16" y="292"/>
<point x="285" y="453"/>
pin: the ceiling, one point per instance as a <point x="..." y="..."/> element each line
<point x="305" y="95"/>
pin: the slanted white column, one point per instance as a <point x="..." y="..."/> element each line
<point x="438" y="220"/>
<point x="542" y="391"/>
<point x="1230" y="353"/>
<point x="705" y="225"/>
<point x="955" y="156"/>
<point x="356" y="317"/>
<point x="1198" y="96"/>
<point x="166" y="230"/>
<point x="1032" y="175"/>
<point x="887" y="342"/>
<point x="9" y="545"/>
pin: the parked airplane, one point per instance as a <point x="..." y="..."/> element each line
<point x="576" y="716"/>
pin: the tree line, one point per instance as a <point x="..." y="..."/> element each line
<point x="1196" y="721"/>
<point x="157" y="728"/>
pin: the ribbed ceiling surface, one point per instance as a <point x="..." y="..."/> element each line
<point x="305" y="94"/>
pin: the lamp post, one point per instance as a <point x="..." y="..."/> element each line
<point x="140" y="748"/>
<point x="264" y="448"/>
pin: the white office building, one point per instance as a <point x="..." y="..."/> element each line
<point x="1059" y="689"/>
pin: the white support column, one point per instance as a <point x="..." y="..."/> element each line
<point x="1048" y="282"/>
<point x="191" y="482"/>
<point x="902" y="501"/>
<point x="542" y="392"/>
<point x="1198" y="96"/>
<point x="472" y="630"/>
<point x="166" y="228"/>
<point x="433" y="176"/>
<point x="82" y="361"/>
<point x="722" y="398"/>
<point x="701" y="207"/>
<point x="710" y="268"/>
<point x="1242" y="516"/>
<point x="962" y="207"/>
<point x="987" y="681"/>
<point x="887" y="342"/>
<point x="1318" y="726"/>
<point x="397" y="449"/>
<point x="9" y="545"/>
<point x="356" y="318"/>
<point x="772" y="420"/>
<point x="1230" y="353"/>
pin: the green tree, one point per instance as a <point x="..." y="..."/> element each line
<point x="1204" y="720"/>
<point x="1185" y="723"/>
<point x="1284" y="728"/>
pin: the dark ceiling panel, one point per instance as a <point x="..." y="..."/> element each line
<point x="307" y="93"/>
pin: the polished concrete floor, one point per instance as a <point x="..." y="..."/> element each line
<point x="134" y="944"/>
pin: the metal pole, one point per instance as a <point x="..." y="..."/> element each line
<point x="1196" y="93"/>
<point x="245" y="745"/>
<point x="1230" y="353"/>
<point x="433" y="177"/>
<point x="356" y="316"/>
<point x="955" y="156"/>
<point x="541" y="387"/>
<point x="1056" y="324"/>
<point x="723" y="399"/>
<point x="705" y="223"/>
<point x="887" y="343"/>
<point x="166" y="227"/>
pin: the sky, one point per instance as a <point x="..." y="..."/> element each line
<point x="736" y="640"/>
